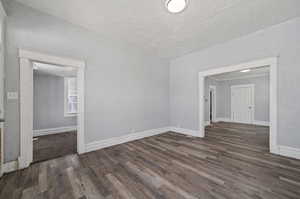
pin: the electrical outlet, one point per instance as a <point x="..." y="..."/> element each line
<point x="12" y="95"/>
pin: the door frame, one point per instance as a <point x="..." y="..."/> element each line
<point x="252" y="86"/>
<point x="214" y="109"/>
<point x="272" y="62"/>
<point x="26" y="58"/>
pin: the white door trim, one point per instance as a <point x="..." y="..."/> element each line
<point x="252" y="86"/>
<point x="272" y="63"/>
<point x="214" y="110"/>
<point x="26" y="100"/>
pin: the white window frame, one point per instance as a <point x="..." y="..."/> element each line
<point x="66" y="95"/>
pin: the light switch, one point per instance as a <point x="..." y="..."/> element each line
<point x="12" y="95"/>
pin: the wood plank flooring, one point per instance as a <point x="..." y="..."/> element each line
<point x="54" y="146"/>
<point x="232" y="162"/>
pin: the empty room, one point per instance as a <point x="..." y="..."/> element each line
<point x="54" y="111"/>
<point x="195" y="99"/>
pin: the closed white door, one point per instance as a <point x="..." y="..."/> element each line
<point x="242" y="100"/>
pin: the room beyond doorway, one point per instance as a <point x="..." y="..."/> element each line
<point x="55" y="100"/>
<point x="272" y="64"/>
<point x="54" y="146"/>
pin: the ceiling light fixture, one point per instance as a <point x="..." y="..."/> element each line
<point x="176" y="6"/>
<point x="245" y="71"/>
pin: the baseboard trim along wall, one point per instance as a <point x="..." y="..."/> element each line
<point x="64" y="129"/>
<point x="207" y="123"/>
<point x="185" y="131"/>
<point x="289" y="151"/>
<point x="256" y="122"/>
<point x="10" y="166"/>
<point x="93" y="146"/>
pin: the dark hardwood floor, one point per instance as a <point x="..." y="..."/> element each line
<point x="54" y="146"/>
<point x="232" y="162"/>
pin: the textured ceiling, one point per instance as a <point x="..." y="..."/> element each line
<point x="147" y="24"/>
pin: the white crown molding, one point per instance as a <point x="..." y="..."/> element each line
<point x="42" y="132"/>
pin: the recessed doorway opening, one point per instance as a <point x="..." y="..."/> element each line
<point x="238" y="101"/>
<point x="54" y="111"/>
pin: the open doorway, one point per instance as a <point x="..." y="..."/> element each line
<point x="54" y="111"/>
<point x="240" y="108"/>
<point x="27" y="60"/>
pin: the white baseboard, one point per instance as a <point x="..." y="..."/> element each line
<point x="42" y="132"/>
<point x="223" y="119"/>
<point x="185" y="131"/>
<point x="10" y="166"/>
<point x="261" y="123"/>
<point x="207" y="123"/>
<point x="256" y="122"/>
<point x="93" y="146"/>
<point x="289" y="151"/>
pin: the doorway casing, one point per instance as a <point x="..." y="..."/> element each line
<point x="272" y="63"/>
<point x="213" y="105"/>
<point x="26" y="100"/>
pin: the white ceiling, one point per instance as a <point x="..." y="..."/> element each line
<point x="147" y="24"/>
<point x="49" y="69"/>
<point x="256" y="72"/>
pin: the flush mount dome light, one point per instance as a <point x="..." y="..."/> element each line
<point x="176" y="6"/>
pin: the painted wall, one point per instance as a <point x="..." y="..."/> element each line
<point x="2" y="49"/>
<point x="48" y="103"/>
<point x="261" y="97"/>
<point x="126" y="89"/>
<point x="281" y="40"/>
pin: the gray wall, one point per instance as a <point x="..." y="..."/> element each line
<point x="125" y="88"/>
<point x="48" y="102"/>
<point x="281" y="40"/>
<point x="2" y="48"/>
<point x="261" y="97"/>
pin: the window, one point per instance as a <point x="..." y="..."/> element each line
<point x="71" y="97"/>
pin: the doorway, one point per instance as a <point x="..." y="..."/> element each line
<point x="272" y="64"/>
<point x="54" y="111"/>
<point x="26" y="100"/>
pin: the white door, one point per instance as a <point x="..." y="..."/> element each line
<point x="242" y="100"/>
